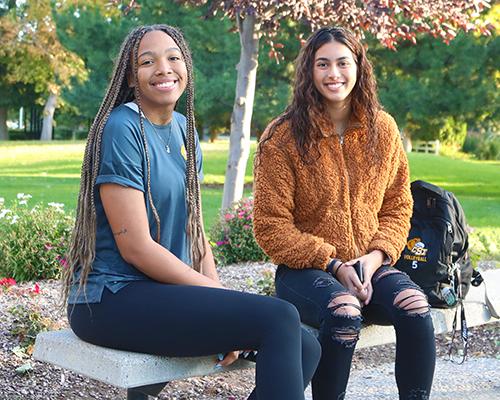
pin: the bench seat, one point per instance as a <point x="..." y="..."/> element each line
<point x="134" y="370"/>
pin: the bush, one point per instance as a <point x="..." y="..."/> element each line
<point x="66" y="133"/>
<point x="484" y="244"/>
<point x="484" y="147"/>
<point x="232" y="236"/>
<point x="20" y="134"/>
<point x="33" y="241"/>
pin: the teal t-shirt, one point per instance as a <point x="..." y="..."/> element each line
<point x="123" y="161"/>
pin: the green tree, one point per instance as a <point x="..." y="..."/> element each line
<point x="12" y="95"/>
<point x="94" y="33"/>
<point x="35" y="55"/>
<point x="439" y="91"/>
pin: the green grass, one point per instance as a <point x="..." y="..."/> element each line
<point x="51" y="172"/>
<point x="475" y="183"/>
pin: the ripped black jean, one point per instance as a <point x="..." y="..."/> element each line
<point x="324" y="303"/>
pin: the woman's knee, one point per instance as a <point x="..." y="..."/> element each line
<point x="412" y="302"/>
<point x="280" y="313"/>
<point x="287" y="312"/>
<point x="413" y="314"/>
<point x="344" y="304"/>
<point x="342" y="319"/>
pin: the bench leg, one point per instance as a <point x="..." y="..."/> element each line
<point x="142" y="392"/>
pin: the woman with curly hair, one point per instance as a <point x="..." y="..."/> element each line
<point x="332" y="208"/>
<point x="141" y="274"/>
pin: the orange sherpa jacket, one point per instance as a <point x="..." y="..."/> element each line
<point x="344" y="205"/>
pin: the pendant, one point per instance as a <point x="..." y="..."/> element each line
<point x="167" y="147"/>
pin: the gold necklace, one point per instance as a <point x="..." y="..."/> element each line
<point x="167" y="145"/>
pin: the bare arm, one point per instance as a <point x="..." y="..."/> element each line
<point x="208" y="264"/>
<point x="126" y="213"/>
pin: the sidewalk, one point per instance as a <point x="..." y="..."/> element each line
<point x="476" y="379"/>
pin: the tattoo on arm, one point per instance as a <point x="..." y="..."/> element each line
<point x="122" y="231"/>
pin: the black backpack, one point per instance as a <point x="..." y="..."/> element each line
<point x="435" y="256"/>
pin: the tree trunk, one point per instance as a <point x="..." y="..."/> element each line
<point x="239" y="141"/>
<point x="48" y="117"/>
<point x="4" y="132"/>
<point x="407" y="144"/>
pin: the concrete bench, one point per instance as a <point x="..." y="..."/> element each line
<point x="143" y="374"/>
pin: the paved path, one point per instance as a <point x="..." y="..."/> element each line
<point x="476" y="379"/>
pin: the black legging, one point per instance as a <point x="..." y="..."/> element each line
<point x="185" y="321"/>
<point x="396" y="300"/>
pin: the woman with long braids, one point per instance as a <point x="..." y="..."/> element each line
<point x="332" y="208"/>
<point x="141" y="274"/>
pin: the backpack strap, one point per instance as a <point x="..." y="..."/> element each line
<point x="477" y="279"/>
<point x="464" y="333"/>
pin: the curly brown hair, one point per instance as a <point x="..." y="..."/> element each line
<point x="307" y="100"/>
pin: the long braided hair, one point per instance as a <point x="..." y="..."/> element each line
<point x="81" y="252"/>
<point x="307" y="100"/>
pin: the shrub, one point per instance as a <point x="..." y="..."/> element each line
<point x="33" y="241"/>
<point x="484" y="244"/>
<point x="232" y="235"/>
<point x="485" y="146"/>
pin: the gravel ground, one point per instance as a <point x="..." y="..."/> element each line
<point x="47" y="382"/>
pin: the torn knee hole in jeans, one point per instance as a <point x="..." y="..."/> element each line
<point x="346" y="335"/>
<point x="386" y="272"/>
<point x="345" y="305"/>
<point x="412" y="301"/>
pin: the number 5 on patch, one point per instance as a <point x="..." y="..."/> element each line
<point x="414" y="264"/>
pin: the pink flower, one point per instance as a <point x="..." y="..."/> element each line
<point x="63" y="262"/>
<point x="246" y="227"/>
<point x="221" y="243"/>
<point x="7" y="282"/>
<point x="36" y="289"/>
<point x="228" y="217"/>
<point x="48" y="246"/>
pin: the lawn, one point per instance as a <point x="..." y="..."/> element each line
<point x="475" y="183"/>
<point x="51" y="172"/>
